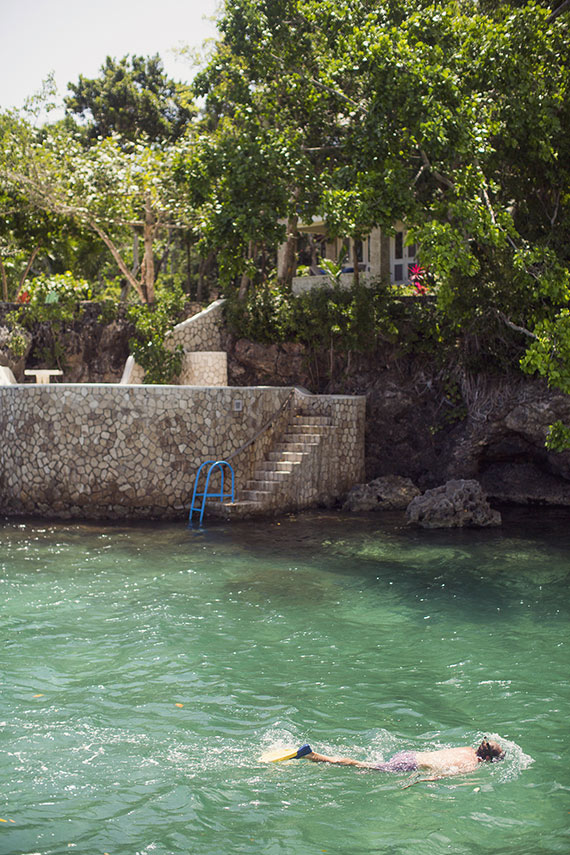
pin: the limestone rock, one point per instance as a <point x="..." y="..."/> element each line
<point x="526" y="484"/>
<point x="277" y="364"/>
<point x="391" y="493"/>
<point x="453" y="505"/>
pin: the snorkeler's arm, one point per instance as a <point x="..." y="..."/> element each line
<point x="338" y="761"/>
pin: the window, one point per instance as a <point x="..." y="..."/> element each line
<point x="402" y="258"/>
<point x="399" y="245"/>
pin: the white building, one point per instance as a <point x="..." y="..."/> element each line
<point x="380" y="256"/>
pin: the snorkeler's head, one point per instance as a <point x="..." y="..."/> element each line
<point x="489" y="751"/>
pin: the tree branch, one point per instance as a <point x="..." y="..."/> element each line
<point x="442" y="178"/>
<point x="419" y="174"/>
<point x="319" y="148"/>
<point x="557" y="12"/>
<point x="515" y="327"/>
<point x="303" y="75"/>
<point x="27" y="270"/>
<point x="117" y="256"/>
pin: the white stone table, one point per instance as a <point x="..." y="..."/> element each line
<point x="42" y="375"/>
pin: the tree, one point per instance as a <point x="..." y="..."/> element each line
<point x="239" y="219"/>
<point x="450" y="116"/>
<point x="109" y="188"/>
<point x="30" y="240"/>
<point x="549" y="356"/>
<point x="130" y="98"/>
<point x="252" y="97"/>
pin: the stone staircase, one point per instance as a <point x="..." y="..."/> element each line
<point x="281" y="475"/>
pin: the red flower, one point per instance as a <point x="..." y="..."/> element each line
<point x="24" y="297"/>
<point x="417" y="273"/>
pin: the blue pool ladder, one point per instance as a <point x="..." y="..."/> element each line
<point x="205" y="495"/>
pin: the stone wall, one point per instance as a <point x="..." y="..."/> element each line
<point x="340" y="463"/>
<point x="204" y="362"/>
<point x="204" y="368"/>
<point x="111" y="451"/>
<point x="202" y="331"/>
<point x="303" y="284"/>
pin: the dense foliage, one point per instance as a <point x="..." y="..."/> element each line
<point x="152" y="324"/>
<point x="131" y="97"/>
<point x="448" y="117"/>
<point x="344" y="319"/>
<point x="53" y="302"/>
<point x="117" y="190"/>
<point x="452" y="116"/>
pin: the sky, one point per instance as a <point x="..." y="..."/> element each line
<point x="73" y="37"/>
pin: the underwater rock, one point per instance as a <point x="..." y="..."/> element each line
<point x="453" y="505"/>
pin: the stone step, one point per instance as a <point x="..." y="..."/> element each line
<point x="297" y="446"/>
<point x="307" y="438"/>
<point x="325" y="421"/>
<point x="284" y="467"/>
<point x="303" y="434"/>
<point x="271" y="475"/>
<point x="285" y="456"/>
<point x="298" y="427"/>
<point x="255" y="496"/>
<point x="263" y="486"/>
<point x="232" y="510"/>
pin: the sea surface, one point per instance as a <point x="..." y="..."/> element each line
<point x="145" y="670"/>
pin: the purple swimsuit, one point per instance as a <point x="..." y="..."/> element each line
<point x="403" y="761"/>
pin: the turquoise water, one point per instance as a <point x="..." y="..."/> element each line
<point x="146" y="669"/>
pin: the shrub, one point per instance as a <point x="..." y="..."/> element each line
<point x="152" y="324"/>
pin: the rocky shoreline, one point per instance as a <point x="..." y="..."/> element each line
<point x="457" y="504"/>
<point x="491" y="429"/>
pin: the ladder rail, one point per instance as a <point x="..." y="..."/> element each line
<point x="223" y="494"/>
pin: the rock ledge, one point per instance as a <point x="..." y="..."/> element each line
<point x="391" y="493"/>
<point x="453" y="505"/>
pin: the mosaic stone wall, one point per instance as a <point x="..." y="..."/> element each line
<point x="201" y="331"/>
<point x="339" y="465"/>
<point x="110" y="451"/>
<point x="204" y="368"/>
<point x="204" y="363"/>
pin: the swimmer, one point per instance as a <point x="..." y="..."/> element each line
<point x="442" y="763"/>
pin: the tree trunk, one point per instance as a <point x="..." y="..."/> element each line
<point x="289" y="257"/>
<point x="133" y="282"/>
<point x="314" y="266"/>
<point x="27" y="270"/>
<point x="126" y="286"/>
<point x="245" y="281"/>
<point x="243" y="286"/>
<point x="205" y="266"/>
<point x="355" y="267"/>
<point x="147" y="271"/>
<point x="136" y="260"/>
<point x="164" y="257"/>
<point x="4" y="281"/>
